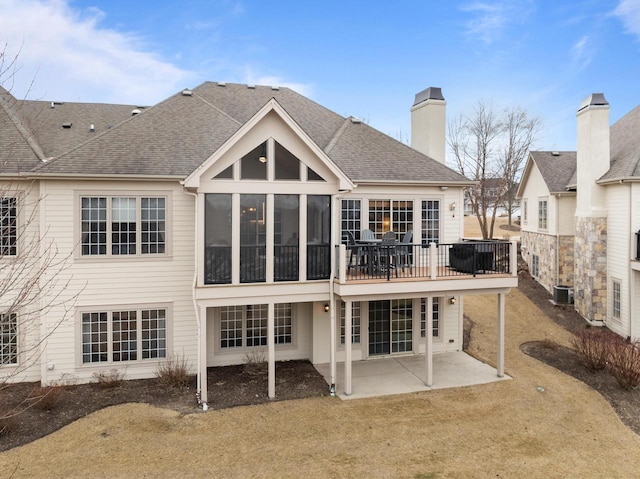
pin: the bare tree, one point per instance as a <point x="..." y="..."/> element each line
<point x="490" y="148"/>
<point x="33" y="272"/>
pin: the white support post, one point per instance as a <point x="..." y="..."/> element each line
<point x="347" y="347"/>
<point x="342" y="263"/>
<point x="513" y="258"/>
<point x="332" y="342"/>
<point x="433" y="260"/>
<point x="202" y="311"/>
<point x="501" y="299"/>
<point x="272" y="350"/>
<point x="429" y="342"/>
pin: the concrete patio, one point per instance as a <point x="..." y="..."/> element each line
<point x="405" y="374"/>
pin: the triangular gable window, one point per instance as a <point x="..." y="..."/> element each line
<point x="313" y="176"/>
<point x="226" y="174"/>
<point x="287" y="166"/>
<point x="253" y="165"/>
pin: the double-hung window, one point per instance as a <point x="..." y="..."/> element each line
<point x="542" y="214"/>
<point x="124" y="334"/>
<point x="355" y="322"/>
<point x="8" y="226"/>
<point x="123" y="225"/>
<point x="430" y="221"/>
<point x="8" y="339"/>
<point x="616" y="300"/>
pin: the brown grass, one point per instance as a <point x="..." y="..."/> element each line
<point x="472" y="228"/>
<point x="504" y="429"/>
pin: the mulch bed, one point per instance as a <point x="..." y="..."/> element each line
<point x="241" y="385"/>
<point x="229" y="386"/>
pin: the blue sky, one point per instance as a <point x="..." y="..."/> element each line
<point x="366" y="59"/>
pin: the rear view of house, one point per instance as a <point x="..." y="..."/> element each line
<point x="234" y="219"/>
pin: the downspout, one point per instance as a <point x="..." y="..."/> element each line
<point x="557" y="213"/>
<point x="332" y="301"/>
<point x="196" y="310"/>
<point x="630" y="299"/>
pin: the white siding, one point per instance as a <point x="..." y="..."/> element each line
<point x="619" y="235"/>
<point x="114" y="281"/>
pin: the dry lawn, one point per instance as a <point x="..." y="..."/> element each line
<point x="506" y="429"/>
<point x="472" y="228"/>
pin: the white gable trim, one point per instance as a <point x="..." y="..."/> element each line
<point x="193" y="180"/>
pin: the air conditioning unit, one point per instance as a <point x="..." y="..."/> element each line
<point x="562" y="294"/>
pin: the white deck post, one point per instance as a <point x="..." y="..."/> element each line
<point x="433" y="260"/>
<point x="347" y="347"/>
<point x="501" y="299"/>
<point x="342" y="263"/>
<point x="428" y="353"/>
<point x="272" y="350"/>
<point x="203" y="355"/>
<point x="513" y="257"/>
<point x="332" y="341"/>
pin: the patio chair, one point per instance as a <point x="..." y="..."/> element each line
<point x="405" y="252"/>
<point x="355" y="251"/>
<point x="389" y="252"/>
<point x="367" y="235"/>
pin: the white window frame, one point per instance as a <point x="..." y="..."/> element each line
<point x="356" y="323"/>
<point x="436" y="317"/>
<point x="282" y="328"/>
<point x="138" y="195"/>
<point x="543" y="219"/>
<point x="110" y="310"/>
<point x="616" y="299"/>
<point x="9" y="348"/>
<point x="16" y="234"/>
<point x="535" y="265"/>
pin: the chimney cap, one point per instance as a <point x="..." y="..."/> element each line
<point x="595" y="99"/>
<point x="431" y="93"/>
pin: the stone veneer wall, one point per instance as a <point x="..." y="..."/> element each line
<point x="544" y="245"/>
<point x="566" y="265"/>
<point x="591" y="268"/>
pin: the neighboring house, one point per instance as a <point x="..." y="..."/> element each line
<point x="210" y="226"/>
<point x="581" y="216"/>
<point x="492" y="187"/>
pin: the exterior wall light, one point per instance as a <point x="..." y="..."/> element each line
<point x="326" y="307"/>
<point x="452" y="300"/>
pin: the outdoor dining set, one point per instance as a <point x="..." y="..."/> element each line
<point x="378" y="256"/>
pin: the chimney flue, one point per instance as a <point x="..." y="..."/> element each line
<point x="428" y="123"/>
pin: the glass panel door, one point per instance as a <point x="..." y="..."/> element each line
<point x="401" y="326"/>
<point x="379" y="327"/>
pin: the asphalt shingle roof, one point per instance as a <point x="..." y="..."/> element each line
<point x="557" y="170"/>
<point x="177" y="135"/>
<point x="625" y="147"/>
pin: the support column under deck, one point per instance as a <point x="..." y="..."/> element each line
<point x="500" y="361"/>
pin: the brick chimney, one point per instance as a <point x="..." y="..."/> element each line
<point x="428" y="123"/>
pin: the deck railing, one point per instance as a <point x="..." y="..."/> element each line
<point x="407" y="261"/>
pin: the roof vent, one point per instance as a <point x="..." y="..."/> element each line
<point x="253" y="87"/>
<point x="555" y="153"/>
<point x="276" y="88"/>
<point x="53" y="105"/>
<point x="92" y="127"/>
<point x="222" y="83"/>
<point x="67" y="124"/>
<point x="187" y="92"/>
<point x="135" y="112"/>
<point x="355" y="121"/>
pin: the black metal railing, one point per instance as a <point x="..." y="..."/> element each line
<point x="382" y="261"/>
<point x="318" y="261"/>
<point x="285" y="262"/>
<point x="253" y="264"/>
<point x="217" y="265"/>
<point x="638" y="245"/>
